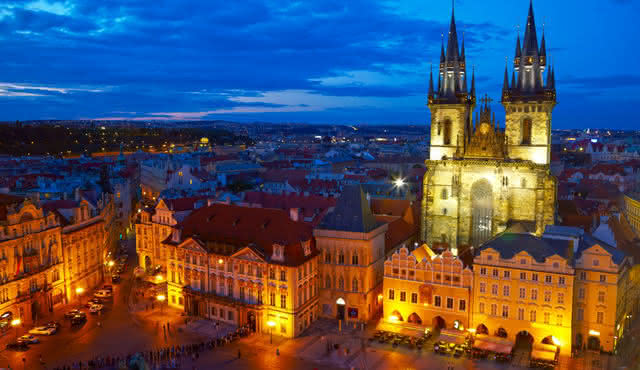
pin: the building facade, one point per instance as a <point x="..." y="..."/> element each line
<point x="31" y="261"/>
<point x="480" y="178"/>
<point x="425" y="289"/>
<point x="246" y="266"/>
<point x="352" y="243"/>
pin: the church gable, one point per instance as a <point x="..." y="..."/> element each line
<point x="192" y="245"/>
<point x="248" y="254"/>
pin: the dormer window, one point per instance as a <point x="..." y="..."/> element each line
<point x="306" y="247"/>
<point x="175" y="237"/>
<point x="278" y="252"/>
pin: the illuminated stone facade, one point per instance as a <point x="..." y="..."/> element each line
<point x="480" y="179"/>
<point x="424" y="289"/>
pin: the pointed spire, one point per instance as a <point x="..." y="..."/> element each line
<point x="505" y="83"/>
<point x="439" y="84"/>
<point x="543" y="46"/>
<point x="518" y="49"/>
<point x="442" y="58"/>
<point x="513" y="79"/>
<point x="473" y="81"/>
<point x="549" y="74"/>
<point x="553" y="77"/>
<point x="462" y="57"/>
<point x="452" y="42"/>
<point x="431" y="82"/>
<point x="530" y="42"/>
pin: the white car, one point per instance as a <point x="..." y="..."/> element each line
<point x="96" y="308"/>
<point x="102" y="294"/>
<point x="43" y="330"/>
<point x="29" y="339"/>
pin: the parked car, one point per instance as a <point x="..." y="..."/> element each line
<point x="96" y="308"/>
<point x="102" y="294"/>
<point x="71" y="313"/>
<point x="18" y="346"/>
<point x="43" y="330"/>
<point x="53" y="324"/>
<point x="93" y="301"/>
<point x="29" y="339"/>
<point x="78" y="319"/>
<point x="108" y="287"/>
<point x="115" y="279"/>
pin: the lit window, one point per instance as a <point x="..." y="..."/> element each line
<point x="505" y="311"/>
<point x="481" y="307"/>
<point x="523" y="293"/>
<point x="437" y="301"/>
<point x="600" y="317"/>
<point x="391" y="294"/>
<point x="603" y="278"/>
<point x="403" y="296"/>
<point x="414" y="298"/>
<point x="450" y="303"/>
<point x="520" y="313"/>
<point x="494" y="289"/>
<point x="601" y="297"/>
<point x="483" y="287"/>
<point x="534" y="294"/>
<point x="505" y="290"/>
<point x="547" y="316"/>
<point x="494" y="309"/>
<point x="462" y="305"/>
<point x="532" y="316"/>
<point x="560" y="298"/>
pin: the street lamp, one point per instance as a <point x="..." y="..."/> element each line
<point x="158" y="278"/>
<point x="271" y="324"/>
<point x="111" y="263"/>
<point x="79" y="292"/>
<point x="161" y="298"/>
<point x="399" y="182"/>
<point x="15" y="323"/>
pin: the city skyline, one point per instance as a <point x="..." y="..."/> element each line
<point x="311" y="62"/>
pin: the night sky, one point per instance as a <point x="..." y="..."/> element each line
<point x="355" y="61"/>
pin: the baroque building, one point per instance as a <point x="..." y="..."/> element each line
<point x="480" y="178"/>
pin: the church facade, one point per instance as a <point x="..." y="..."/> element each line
<point x="481" y="178"/>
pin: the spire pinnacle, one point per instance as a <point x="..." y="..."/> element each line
<point x="442" y="58"/>
<point x="530" y="42"/>
<point x="543" y="46"/>
<point x="505" y="83"/>
<point x="473" y="81"/>
<point x="452" y="42"/>
<point x="513" y="79"/>
<point x="431" y="82"/>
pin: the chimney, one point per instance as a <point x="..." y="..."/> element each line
<point x="294" y="214"/>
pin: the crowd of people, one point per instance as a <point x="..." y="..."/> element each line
<point x="170" y="357"/>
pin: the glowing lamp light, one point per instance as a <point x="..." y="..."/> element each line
<point x="399" y="182"/>
<point x="158" y="277"/>
<point x="556" y="341"/>
<point x="594" y="333"/>
<point x="471" y="330"/>
<point x="15" y="322"/>
<point x="111" y="263"/>
<point x="161" y="297"/>
<point x="220" y="261"/>
<point x="393" y="318"/>
<point x="271" y="323"/>
<point x="79" y="290"/>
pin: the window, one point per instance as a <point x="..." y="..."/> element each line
<point x="283" y="327"/>
<point x="580" y="314"/>
<point x="403" y="296"/>
<point x="494" y="289"/>
<point x="495" y="273"/>
<point x="596" y="262"/>
<point x="283" y="275"/>
<point x="505" y="290"/>
<point x="526" y="131"/>
<point x="437" y="301"/>
<point x="242" y="293"/>
<point x="327" y="257"/>
<point x="561" y="280"/>
<point x="581" y="293"/>
<point x="341" y="283"/>
<point x="450" y="303"/>
<point x="483" y="271"/>
<point x="506" y="274"/>
<point x="494" y="309"/>
<point x="532" y="316"/>
<point x="547" y="296"/>
<point x="483" y="287"/>
<point x="230" y="315"/>
<point x="583" y="275"/>
<point x="600" y="317"/>
<point x="242" y="268"/>
<point x="548" y="279"/>
<point x="414" y="298"/>
<point x="391" y="294"/>
<point x="601" y="297"/>
<point x="272" y="297"/>
<point x="354" y="285"/>
<point x="447" y="132"/>
<point x="523" y="261"/>
<point x="559" y="320"/>
<point x="283" y="301"/>
<point x="520" y="313"/>
<point x="354" y="259"/>
<point x="603" y="278"/>
<point x="505" y="311"/>
<point x="534" y="277"/>
<point x="443" y="194"/>
<point x="272" y="274"/>
<point x="534" y="294"/>
<point x="523" y="293"/>
<point x="547" y="315"/>
<point x="462" y="305"/>
<point x="523" y="276"/>
<point x="556" y="265"/>
<point x="341" y="258"/>
<point x="560" y="298"/>
<point x="481" y="307"/>
<point x="328" y="282"/>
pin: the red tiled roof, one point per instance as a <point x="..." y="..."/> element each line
<point x="59" y="204"/>
<point x="6" y="200"/>
<point x="242" y="226"/>
<point x="392" y="207"/>
<point x="182" y="204"/>
<point x="308" y="204"/>
<point x="398" y="231"/>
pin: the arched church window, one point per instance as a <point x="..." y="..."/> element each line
<point x="443" y="194"/>
<point x="447" y="132"/>
<point x="526" y="131"/>
<point x="439" y="128"/>
<point x="523" y="183"/>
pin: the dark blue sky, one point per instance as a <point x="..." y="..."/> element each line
<point x="355" y="61"/>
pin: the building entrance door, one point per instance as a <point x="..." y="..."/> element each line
<point x="340" y="304"/>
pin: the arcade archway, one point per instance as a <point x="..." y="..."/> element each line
<point x="414" y="319"/>
<point x="482" y="329"/>
<point x="439" y="323"/>
<point x="524" y="339"/>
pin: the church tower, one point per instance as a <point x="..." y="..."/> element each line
<point x="451" y="104"/>
<point x="528" y="101"/>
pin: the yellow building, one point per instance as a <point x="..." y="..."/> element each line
<point x="246" y="266"/>
<point x="631" y="210"/>
<point x="480" y="179"/>
<point x="352" y="243"/>
<point x="523" y="290"/>
<point x="31" y="261"/>
<point x="427" y="290"/>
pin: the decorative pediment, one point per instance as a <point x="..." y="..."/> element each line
<point x="161" y="205"/>
<point x="191" y="244"/>
<point x="248" y="254"/>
